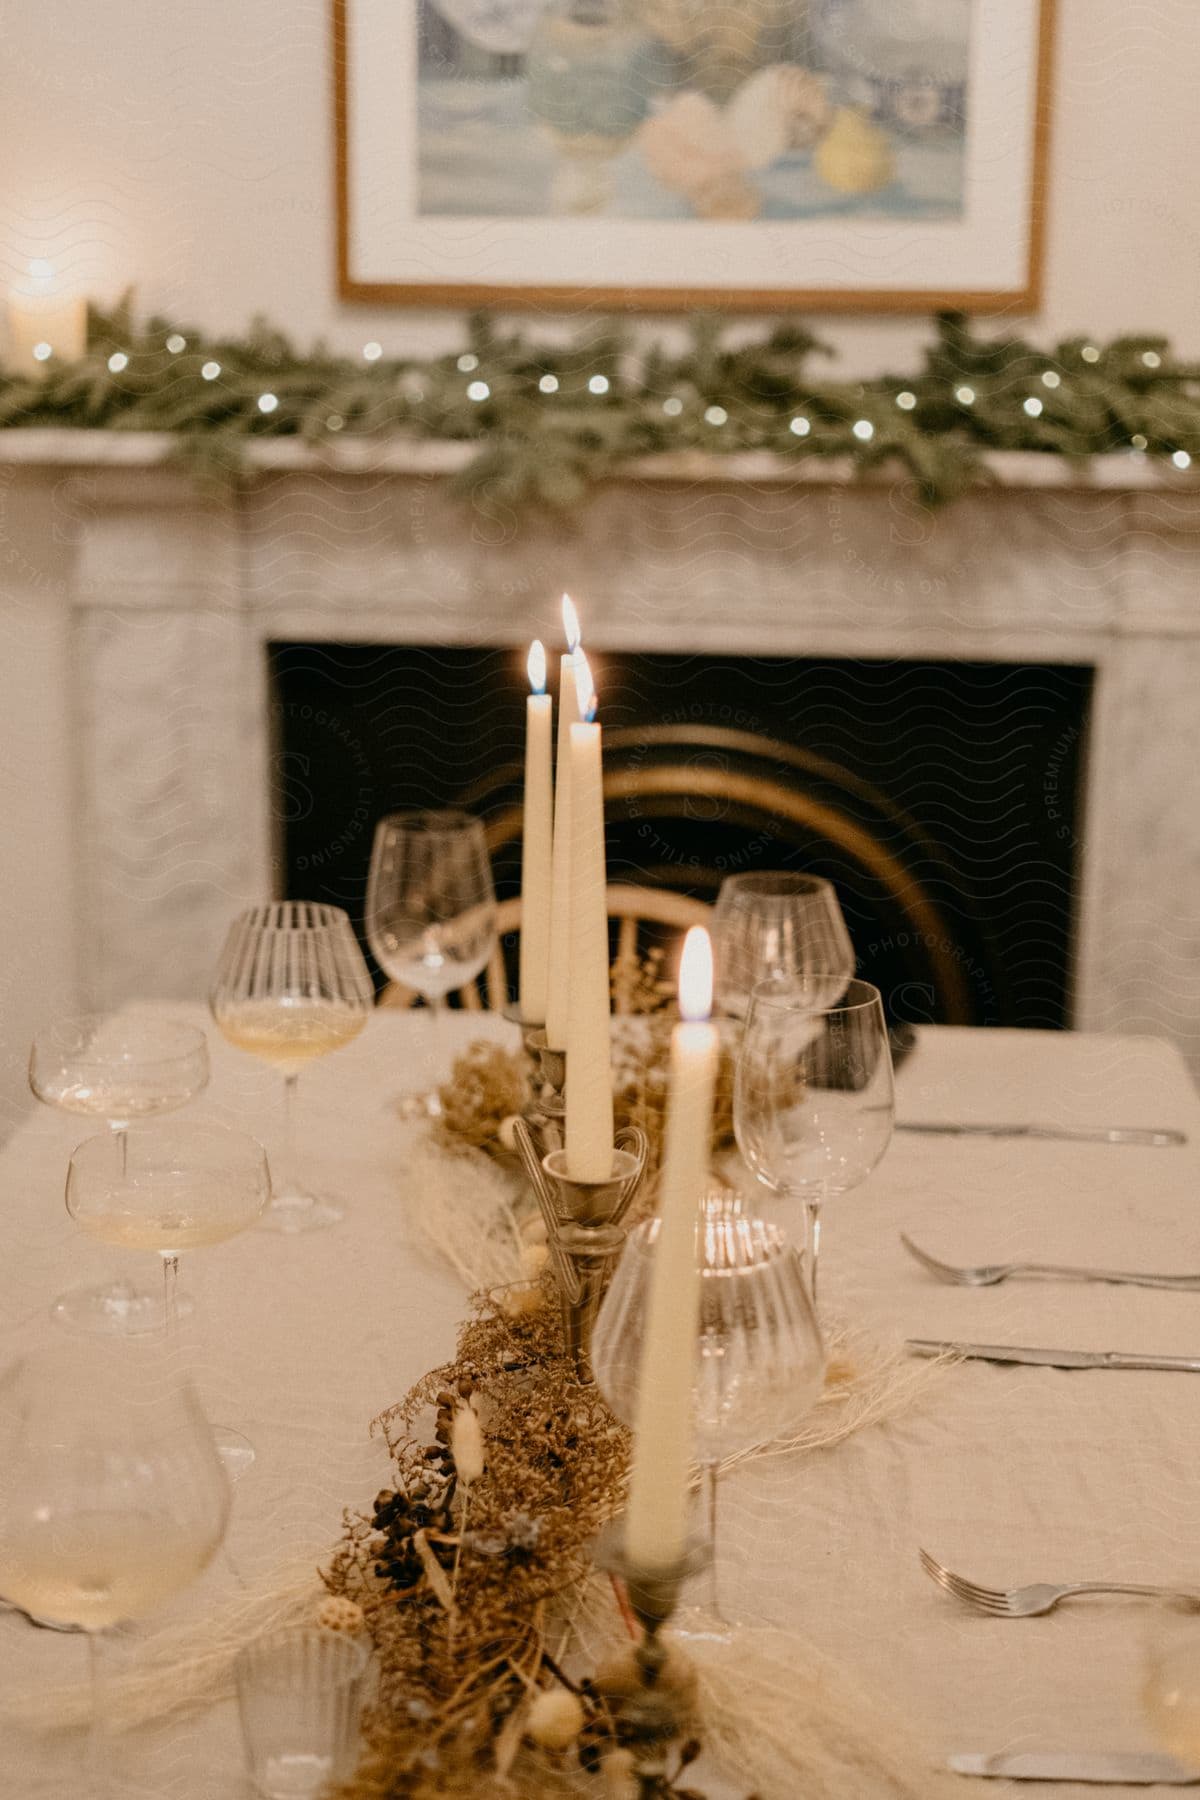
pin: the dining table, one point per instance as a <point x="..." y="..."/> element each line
<point x="1009" y="1474"/>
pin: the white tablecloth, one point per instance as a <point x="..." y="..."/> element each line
<point x="1007" y="1474"/>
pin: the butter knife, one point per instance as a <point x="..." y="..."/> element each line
<point x="1149" y="1770"/>
<point x="1053" y="1359"/>
<point x="1157" y="1138"/>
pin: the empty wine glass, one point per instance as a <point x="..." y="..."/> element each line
<point x="292" y="985"/>
<point x="761" y="1360"/>
<point x="779" y="926"/>
<point x="112" y="1496"/>
<point x="171" y="1188"/>
<point x="120" y="1068"/>
<point x="813" y="1097"/>
<point x="431" y="913"/>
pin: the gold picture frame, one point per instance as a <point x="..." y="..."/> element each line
<point x="364" y="273"/>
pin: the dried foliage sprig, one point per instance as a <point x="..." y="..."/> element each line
<point x="459" y="1605"/>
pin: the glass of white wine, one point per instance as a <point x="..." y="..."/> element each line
<point x="112" y="1496"/>
<point x="168" y="1188"/>
<point x="431" y="915"/>
<point x="119" y="1068"/>
<point x="1171" y="1688"/>
<point x="291" y="985"/>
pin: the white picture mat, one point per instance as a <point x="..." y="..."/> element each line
<point x="987" y="249"/>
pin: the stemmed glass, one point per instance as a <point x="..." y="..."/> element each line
<point x="1171" y="1688"/>
<point x="120" y="1068"/>
<point x="170" y="1188"/>
<point x="778" y="926"/>
<point x="292" y="985"/>
<point x="431" y="913"/>
<point x="112" y="1496"/>
<point x="761" y="1359"/>
<point x="813" y="1097"/>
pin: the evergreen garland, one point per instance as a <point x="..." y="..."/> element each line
<point x="550" y="421"/>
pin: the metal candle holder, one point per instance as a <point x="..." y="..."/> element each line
<point x="584" y="1232"/>
<point x="657" y="1713"/>
<point x="546" y="1113"/>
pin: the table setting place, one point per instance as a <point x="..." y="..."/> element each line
<point x="674" y="1379"/>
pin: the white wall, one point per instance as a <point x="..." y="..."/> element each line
<point x="187" y="149"/>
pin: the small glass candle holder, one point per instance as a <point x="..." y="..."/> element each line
<point x="300" y="1699"/>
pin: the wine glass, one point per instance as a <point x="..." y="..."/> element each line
<point x="813" y="1097"/>
<point x="761" y="1360"/>
<point x="783" y="926"/>
<point x="1171" y="1689"/>
<point x="112" y="1495"/>
<point x="170" y="1188"/>
<point x="431" y="913"/>
<point x="119" y="1068"/>
<point x="292" y="985"/>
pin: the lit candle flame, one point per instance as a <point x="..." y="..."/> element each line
<point x="585" y="687"/>
<point x="696" y="975"/>
<point x="570" y="620"/>
<point x="537" y="666"/>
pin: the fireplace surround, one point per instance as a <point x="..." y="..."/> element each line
<point x="173" y="595"/>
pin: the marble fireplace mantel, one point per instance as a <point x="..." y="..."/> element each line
<point x="172" y="593"/>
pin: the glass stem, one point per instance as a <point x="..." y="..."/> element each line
<point x="170" y="1263"/>
<point x="288" y="1184"/>
<point x="95" y="1746"/>
<point x="812" y="1209"/>
<point x="437" y="1041"/>
<point x="712" y="1484"/>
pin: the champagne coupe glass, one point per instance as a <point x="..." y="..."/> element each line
<point x="292" y="985"/>
<point x="431" y="913"/>
<point x="120" y="1068"/>
<point x="761" y="1360"/>
<point x="112" y="1496"/>
<point x="813" y="1097"/>
<point x="783" y="926"/>
<point x="171" y="1188"/>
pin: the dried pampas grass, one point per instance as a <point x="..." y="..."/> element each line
<point x="782" y="1720"/>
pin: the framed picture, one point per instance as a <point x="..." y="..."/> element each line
<point x="662" y="154"/>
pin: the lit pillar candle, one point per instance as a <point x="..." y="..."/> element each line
<point x="588" y="1138"/>
<point x="45" y="321"/>
<point x="656" y="1520"/>
<point x="558" y="979"/>
<point x="536" y="838"/>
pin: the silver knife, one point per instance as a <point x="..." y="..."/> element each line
<point x="1157" y="1138"/>
<point x="1053" y="1359"/>
<point x="1149" y="1770"/>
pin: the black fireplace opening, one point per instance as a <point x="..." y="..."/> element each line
<point x="943" y="799"/>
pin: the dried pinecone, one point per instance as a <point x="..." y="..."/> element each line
<point x="398" y="1518"/>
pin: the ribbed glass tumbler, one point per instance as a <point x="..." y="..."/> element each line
<point x="300" y="1697"/>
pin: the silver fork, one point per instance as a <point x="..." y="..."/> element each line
<point x="988" y="1274"/>
<point x="1039" y="1597"/>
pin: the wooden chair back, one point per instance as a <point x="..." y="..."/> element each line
<point x="631" y="906"/>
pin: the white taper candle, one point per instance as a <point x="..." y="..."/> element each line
<point x="656" y="1518"/>
<point x="536" y="844"/>
<point x="558" y="980"/>
<point x="588" y="1140"/>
